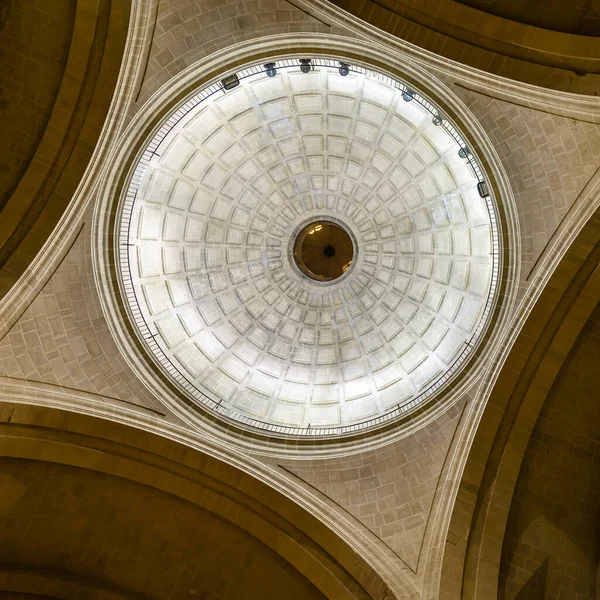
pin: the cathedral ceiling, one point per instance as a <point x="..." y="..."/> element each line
<point x="58" y="347"/>
<point x="92" y="509"/>
<point x="102" y="533"/>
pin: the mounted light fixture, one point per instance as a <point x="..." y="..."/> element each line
<point x="464" y="152"/>
<point x="305" y="65"/>
<point x="270" y="69"/>
<point x="482" y="188"/>
<point x="437" y="119"/>
<point x="344" y="69"/>
<point x="408" y="95"/>
<point x="230" y="82"/>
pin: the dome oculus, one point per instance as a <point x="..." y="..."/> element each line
<point x="323" y="250"/>
<point x="255" y="317"/>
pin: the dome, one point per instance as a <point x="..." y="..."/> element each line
<point x="248" y="316"/>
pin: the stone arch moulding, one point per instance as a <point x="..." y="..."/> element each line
<point x="476" y="530"/>
<point x="214" y="68"/>
<point x="37" y="272"/>
<point x="570" y="102"/>
<point x="530" y="54"/>
<point x="74" y="125"/>
<point x="18" y="398"/>
<point x="39" y="433"/>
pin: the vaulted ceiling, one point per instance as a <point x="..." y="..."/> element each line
<point x="209" y="248"/>
<point x="112" y="490"/>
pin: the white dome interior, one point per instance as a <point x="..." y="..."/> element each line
<point x="209" y="218"/>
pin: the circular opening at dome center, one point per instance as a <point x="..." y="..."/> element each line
<point x="323" y="251"/>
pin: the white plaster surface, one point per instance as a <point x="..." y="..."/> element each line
<point x="212" y="225"/>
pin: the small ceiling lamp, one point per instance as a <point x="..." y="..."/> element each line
<point x="305" y="65"/>
<point x="270" y="69"/>
<point x="482" y="188"/>
<point x="437" y="119"/>
<point x="344" y="69"/>
<point x="407" y="95"/>
<point x="230" y="82"/>
<point x="464" y="152"/>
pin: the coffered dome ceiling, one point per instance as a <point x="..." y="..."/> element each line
<point x="210" y="223"/>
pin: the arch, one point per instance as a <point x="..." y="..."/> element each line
<point x="42" y="189"/>
<point x="477" y="38"/>
<point x="55" y="437"/>
<point x="474" y="541"/>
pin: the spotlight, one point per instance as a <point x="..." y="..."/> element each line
<point x="482" y="188"/>
<point x="408" y="95"/>
<point x="464" y="152"/>
<point x="344" y="69"/>
<point x="437" y="119"/>
<point x="230" y="82"/>
<point x="305" y="65"/>
<point x="270" y="70"/>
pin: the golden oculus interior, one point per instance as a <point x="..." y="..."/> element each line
<point x="323" y="251"/>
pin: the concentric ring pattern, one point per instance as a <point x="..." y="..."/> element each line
<point x="207" y="233"/>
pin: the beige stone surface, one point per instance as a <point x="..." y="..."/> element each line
<point x="35" y="43"/>
<point x="391" y="489"/>
<point x="63" y="339"/>
<point x="188" y="30"/>
<point x="472" y="553"/>
<point x="480" y="39"/>
<point x="403" y="492"/>
<point x="548" y="158"/>
<point x="116" y="513"/>
<point x="94" y="526"/>
<point x="60" y="64"/>
<point x="580" y="16"/>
